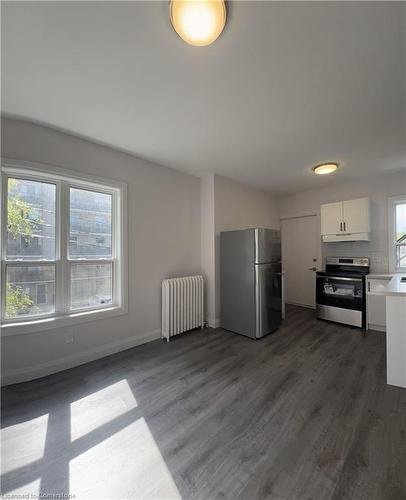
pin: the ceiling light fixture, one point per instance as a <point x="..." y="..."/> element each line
<point x="325" y="168"/>
<point x="198" y="22"/>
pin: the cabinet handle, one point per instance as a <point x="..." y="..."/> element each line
<point x="341" y="278"/>
<point x="369" y="286"/>
<point x="344" y="227"/>
<point x="341" y="226"/>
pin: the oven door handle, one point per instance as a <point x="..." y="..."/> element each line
<point x="342" y="278"/>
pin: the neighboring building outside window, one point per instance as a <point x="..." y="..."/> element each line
<point x="41" y="294"/>
<point x="397" y="234"/>
<point x="62" y="250"/>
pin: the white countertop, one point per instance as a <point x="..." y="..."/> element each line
<point x="395" y="287"/>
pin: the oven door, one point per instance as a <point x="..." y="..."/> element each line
<point x="340" y="291"/>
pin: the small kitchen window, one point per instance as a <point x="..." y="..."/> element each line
<point x="397" y="234"/>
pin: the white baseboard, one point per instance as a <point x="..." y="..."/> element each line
<point x="54" y="366"/>
<point x="213" y="322"/>
<point x="376" y="328"/>
<point x="301" y="305"/>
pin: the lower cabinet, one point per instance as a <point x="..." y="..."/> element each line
<point x="376" y="302"/>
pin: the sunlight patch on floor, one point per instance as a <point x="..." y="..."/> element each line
<point x="100" y="407"/>
<point x="23" y="443"/>
<point x="128" y="464"/>
<point x="27" y="491"/>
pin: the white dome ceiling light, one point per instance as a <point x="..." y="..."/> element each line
<point x="325" y="168"/>
<point x="198" y="22"/>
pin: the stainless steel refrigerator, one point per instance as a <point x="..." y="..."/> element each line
<point x="250" y="281"/>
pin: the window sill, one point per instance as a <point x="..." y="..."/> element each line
<point x="40" y="325"/>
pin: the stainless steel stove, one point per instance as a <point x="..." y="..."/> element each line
<point x="340" y="290"/>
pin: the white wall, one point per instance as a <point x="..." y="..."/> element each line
<point x="379" y="189"/>
<point x="163" y="240"/>
<point x="174" y="225"/>
<point x="238" y="206"/>
<point x="207" y="210"/>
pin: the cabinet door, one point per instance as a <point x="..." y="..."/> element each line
<point x="356" y="216"/>
<point x="377" y="310"/>
<point x="331" y="218"/>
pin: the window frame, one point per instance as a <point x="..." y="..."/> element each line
<point x="64" y="179"/>
<point x="26" y="262"/>
<point x="80" y="260"/>
<point x="392" y="202"/>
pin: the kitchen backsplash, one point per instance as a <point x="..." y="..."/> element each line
<point x="376" y="250"/>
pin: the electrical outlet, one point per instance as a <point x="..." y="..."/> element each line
<point x="69" y="336"/>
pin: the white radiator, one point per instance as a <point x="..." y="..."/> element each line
<point x="182" y="305"/>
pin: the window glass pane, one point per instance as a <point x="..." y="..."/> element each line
<point x="90" y="224"/>
<point x="30" y="290"/>
<point x="30" y="220"/>
<point x="400" y="234"/>
<point x="91" y="285"/>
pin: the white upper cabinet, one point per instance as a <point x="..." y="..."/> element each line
<point x="346" y="220"/>
<point x="332" y="218"/>
<point x="356" y="216"/>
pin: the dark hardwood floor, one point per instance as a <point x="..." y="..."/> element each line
<point x="302" y="414"/>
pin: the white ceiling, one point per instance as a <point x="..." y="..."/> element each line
<point x="286" y="86"/>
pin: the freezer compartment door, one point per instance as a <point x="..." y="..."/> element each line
<point x="267" y="246"/>
<point x="268" y="299"/>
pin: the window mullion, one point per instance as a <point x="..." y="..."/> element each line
<point x="3" y="222"/>
<point x="91" y="261"/>
<point x="3" y="239"/>
<point x="3" y="236"/>
<point x="115" y="249"/>
<point x="3" y="289"/>
<point x="63" y="281"/>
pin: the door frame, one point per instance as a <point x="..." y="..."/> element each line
<point x="300" y="215"/>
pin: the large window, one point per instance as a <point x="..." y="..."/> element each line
<point x="397" y="234"/>
<point x="62" y="246"/>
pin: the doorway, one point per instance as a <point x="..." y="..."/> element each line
<point x="300" y="259"/>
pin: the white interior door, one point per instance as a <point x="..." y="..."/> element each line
<point x="300" y="255"/>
